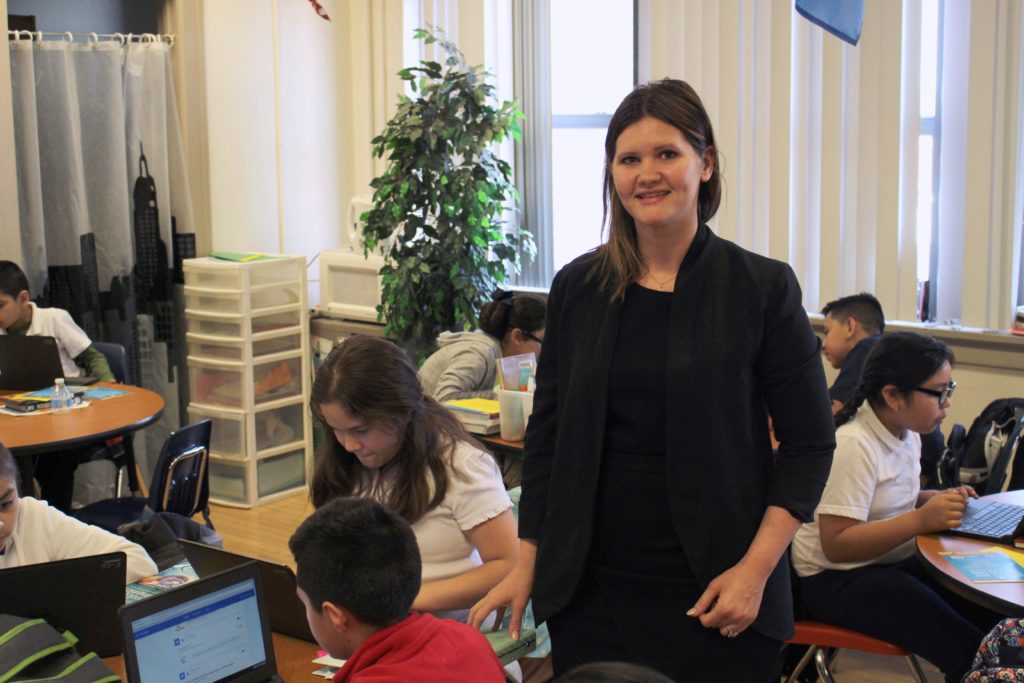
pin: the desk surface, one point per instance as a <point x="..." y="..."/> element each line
<point x="98" y="421"/>
<point x="1006" y="598"/>
<point x="294" y="660"/>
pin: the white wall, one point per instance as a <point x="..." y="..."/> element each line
<point x="10" y="235"/>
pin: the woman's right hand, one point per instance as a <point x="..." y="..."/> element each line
<point x="944" y="510"/>
<point x="511" y="592"/>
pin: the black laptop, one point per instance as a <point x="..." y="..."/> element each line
<point x="986" y="520"/>
<point x="213" y="629"/>
<point x="287" y="613"/>
<point x="32" y="362"/>
<point x="81" y="595"/>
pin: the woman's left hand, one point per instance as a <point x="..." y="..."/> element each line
<point x="731" y="601"/>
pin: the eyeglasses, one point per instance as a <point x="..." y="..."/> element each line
<point x="943" y="395"/>
<point x="531" y="336"/>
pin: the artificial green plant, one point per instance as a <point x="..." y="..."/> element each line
<point x="441" y="208"/>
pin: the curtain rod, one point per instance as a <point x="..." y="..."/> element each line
<point x="123" y="38"/>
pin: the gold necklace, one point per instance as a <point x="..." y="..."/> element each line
<point x="660" y="283"/>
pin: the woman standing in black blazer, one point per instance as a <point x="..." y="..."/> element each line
<point x="655" y="518"/>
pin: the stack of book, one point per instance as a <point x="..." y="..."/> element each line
<point x="477" y="415"/>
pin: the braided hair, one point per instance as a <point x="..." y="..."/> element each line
<point x="901" y="359"/>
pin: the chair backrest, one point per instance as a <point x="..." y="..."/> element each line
<point x="181" y="478"/>
<point x="117" y="359"/>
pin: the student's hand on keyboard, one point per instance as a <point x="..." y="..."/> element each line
<point x="944" y="510"/>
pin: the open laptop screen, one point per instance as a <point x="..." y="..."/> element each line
<point x="200" y="633"/>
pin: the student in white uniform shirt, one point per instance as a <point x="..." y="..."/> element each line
<point x="19" y="316"/>
<point x="388" y="441"/>
<point x="32" y="532"/>
<point x="856" y="561"/>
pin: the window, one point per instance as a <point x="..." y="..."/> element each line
<point x="927" y="159"/>
<point x="581" y="111"/>
<point x="572" y="75"/>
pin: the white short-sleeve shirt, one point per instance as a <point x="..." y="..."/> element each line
<point x="473" y="498"/>
<point x="45" y="534"/>
<point x="874" y="476"/>
<point x="57" y="323"/>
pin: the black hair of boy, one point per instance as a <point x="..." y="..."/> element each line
<point x="8" y="467"/>
<point x="357" y="554"/>
<point x="863" y="307"/>
<point x="12" y="279"/>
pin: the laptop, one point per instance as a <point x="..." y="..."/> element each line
<point x="287" y="613"/>
<point x="54" y="591"/>
<point x="986" y="520"/>
<point x="32" y="362"/>
<point x="213" y="629"/>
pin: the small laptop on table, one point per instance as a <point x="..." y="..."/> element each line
<point x="30" y="362"/>
<point x="213" y="629"/>
<point x="54" y="591"/>
<point x="987" y="520"/>
<point x="287" y="613"/>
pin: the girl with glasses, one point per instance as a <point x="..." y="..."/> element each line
<point x="856" y="560"/>
<point x="465" y="363"/>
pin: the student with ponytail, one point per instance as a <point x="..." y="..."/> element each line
<point x="464" y="365"/>
<point x="387" y="441"/>
<point x="855" y="561"/>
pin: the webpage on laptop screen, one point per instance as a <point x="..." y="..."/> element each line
<point x="203" y="640"/>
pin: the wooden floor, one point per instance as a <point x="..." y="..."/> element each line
<point x="264" y="531"/>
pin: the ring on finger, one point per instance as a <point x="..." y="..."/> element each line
<point x="729" y="633"/>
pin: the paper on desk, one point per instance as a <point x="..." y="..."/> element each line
<point x="330" y="665"/>
<point x="991" y="565"/>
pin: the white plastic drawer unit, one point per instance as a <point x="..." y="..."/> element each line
<point x="223" y="383"/>
<point x="214" y="273"/>
<point x="207" y="300"/>
<point x="230" y="348"/>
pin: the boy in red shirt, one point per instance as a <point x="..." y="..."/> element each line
<point x="358" y="573"/>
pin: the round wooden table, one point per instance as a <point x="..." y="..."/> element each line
<point x="1005" y="598"/>
<point x="100" y="420"/>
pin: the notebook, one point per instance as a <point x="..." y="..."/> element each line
<point x="53" y="591"/>
<point x="214" y="629"/>
<point x="287" y="613"/>
<point x="987" y="520"/>
<point x="32" y="362"/>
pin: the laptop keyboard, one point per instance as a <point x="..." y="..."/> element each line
<point x="995" y="519"/>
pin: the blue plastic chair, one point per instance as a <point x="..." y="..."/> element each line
<point x="180" y="484"/>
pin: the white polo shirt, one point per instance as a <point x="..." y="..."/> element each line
<point x="874" y="476"/>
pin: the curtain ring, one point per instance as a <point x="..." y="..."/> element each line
<point x="120" y="38"/>
<point x="39" y="36"/>
<point x="69" y="36"/>
<point x="94" y="38"/>
<point x="170" y="39"/>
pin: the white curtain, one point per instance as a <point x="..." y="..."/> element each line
<point x="84" y="114"/>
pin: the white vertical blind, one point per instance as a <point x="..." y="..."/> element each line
<point x="820" y="143"/>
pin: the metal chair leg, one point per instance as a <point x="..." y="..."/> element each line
<point x="915" y="669"/>
<point x="821" y="664"/>
<point x="802" y="664"/>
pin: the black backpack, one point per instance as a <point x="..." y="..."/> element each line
<point x="32" y="650"/>
<point x="985" y="456"/>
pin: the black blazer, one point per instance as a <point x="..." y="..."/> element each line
<point x="741" y="349"/>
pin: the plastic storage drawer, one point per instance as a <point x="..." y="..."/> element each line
<point x="276" y="427"/>
<point x="281" y="472"/>
<point x="227" y="436"/>
<point x="227" y="482"/>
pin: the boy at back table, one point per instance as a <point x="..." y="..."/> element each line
<point x="853" y="325"/>
<point x="19" y="316"/>
<point x="358" y="572"/>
